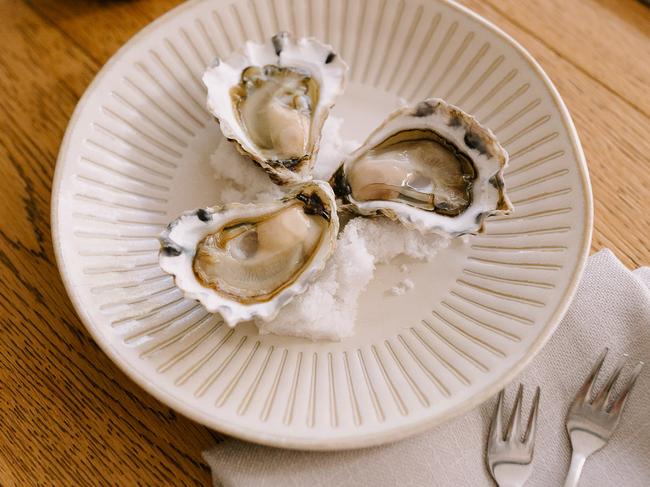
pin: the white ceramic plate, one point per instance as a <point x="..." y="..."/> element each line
<point x="134" y="157"/>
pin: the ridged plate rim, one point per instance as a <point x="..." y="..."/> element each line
<point x="316" y="443"/>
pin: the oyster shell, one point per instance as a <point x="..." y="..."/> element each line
<point x="272" y="100"/>
<point x="249" y="260"/>
<point x="430" y="166"/>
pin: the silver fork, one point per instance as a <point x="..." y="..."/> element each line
<point x="509" y="456"/>
<point x="591" y="422"/>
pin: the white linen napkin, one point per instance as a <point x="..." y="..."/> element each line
<point x="611" y="308"/>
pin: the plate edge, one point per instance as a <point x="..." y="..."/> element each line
<point x="355" y="441"/>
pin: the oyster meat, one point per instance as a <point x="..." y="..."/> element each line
<point x="430" y="166"/>
<point x="249" y="260"/>
<point x="272" y="100"/>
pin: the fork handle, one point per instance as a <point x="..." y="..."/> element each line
<point x="577" y="462"/>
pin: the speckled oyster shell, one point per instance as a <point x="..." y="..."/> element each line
<point x="436" y="134"/>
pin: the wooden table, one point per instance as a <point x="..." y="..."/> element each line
<point x="68" y="415"/>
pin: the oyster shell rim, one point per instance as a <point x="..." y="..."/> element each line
<point x="476" y="139"/>
<point x="273" y="48"/>
<point x="175" y="256"/>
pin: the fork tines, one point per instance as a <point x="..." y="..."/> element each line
<point x="513" y="431"/>
<point x="510" y="453"/>
<point x="603" y="399"/>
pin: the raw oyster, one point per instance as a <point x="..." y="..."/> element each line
<point x="249" y="260"/>
<point x="272" y="100"/>
<point x="430" y="166"/>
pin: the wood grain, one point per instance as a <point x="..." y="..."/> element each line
<point x="69" y="416"/>
<point x="610" y="128"/>
<point x="605" y="39"/>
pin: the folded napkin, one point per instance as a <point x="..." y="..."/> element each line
<point x="611" y="308"/>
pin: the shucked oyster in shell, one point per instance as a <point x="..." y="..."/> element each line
<point x="272" y="100"/>
<point x="249" y="260"/>
<point x="430" y="166"/>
